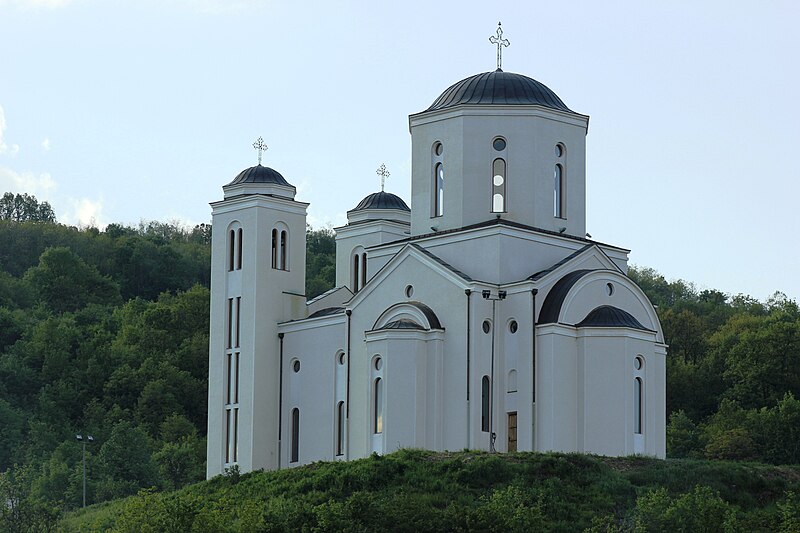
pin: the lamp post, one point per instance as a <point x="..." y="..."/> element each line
<point x="83" y="441"/>
<point x="487" y="295"/>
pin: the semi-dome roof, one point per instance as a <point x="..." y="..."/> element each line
<point x="498" y="87"/>
<point x="381" y="200"/>
<point x="259" y="174"/>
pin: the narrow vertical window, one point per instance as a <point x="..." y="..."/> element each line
<point x="340" y="428"/>
<point x="228" y="436"/>
<point x="235" y="435"/>
<point x="363" y="269"/>
<point x="560" y="184"/>
<point x="638" y="411"/>
<point x="284" y="248"/>
<point x="274" y="248"/>
<point x="485" y="403"/>
<point x="439" y="191"/>
<point x="378" y="406"/>
<point x="231" y="248"/>
<point x="229" y="378"/>
<point x="498" y="186"/>
<point x="236" y="380"/>
<point x="238" y="318"/>
<point x="295" y="435"/>
<point x="229" y="331"/>
<point x="356" y="277"/>
<point x="239" y="250"/>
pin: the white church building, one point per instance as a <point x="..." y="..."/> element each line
<point x="483" y="317"/>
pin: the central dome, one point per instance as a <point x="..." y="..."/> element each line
<point x="501" y="88"/>
<point x="381" y="200"/>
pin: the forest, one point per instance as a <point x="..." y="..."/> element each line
<point x="105" y="333"/>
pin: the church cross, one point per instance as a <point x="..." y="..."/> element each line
<point x="383" y="173"/>
<point x="500" y="42"/>
<point x="260" y="148"/>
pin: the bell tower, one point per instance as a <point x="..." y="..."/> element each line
<point x="258" y="265"/>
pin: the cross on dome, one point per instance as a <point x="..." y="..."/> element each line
<point x="260" y="147"/>
<point x="500" y="42"/>
<point x="383" y="173"/>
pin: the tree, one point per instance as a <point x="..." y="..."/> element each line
<point x="126" y="462"/>
<point x="25" y="208"/>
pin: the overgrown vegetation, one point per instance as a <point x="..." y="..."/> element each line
<point x="419" y="491"/>
<point x="106" y="333"/>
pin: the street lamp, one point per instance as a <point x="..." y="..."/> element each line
<point x="83" y="441"/>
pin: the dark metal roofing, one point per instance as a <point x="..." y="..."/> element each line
<point x="498" y="87"/>
<point x="609" y="317"/>
<point x="433" y="320"/>
<point x="551" y="307"/>
<point x="382" y="200"/>
<point x="403" y="323"/>
<point x="259" y="174"/>
<point x="328" y="311"/>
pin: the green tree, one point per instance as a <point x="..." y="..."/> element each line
<point x="126" y="462"/>
<point x="25" y="208"/>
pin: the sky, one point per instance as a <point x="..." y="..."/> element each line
<point x="122" y="111"/>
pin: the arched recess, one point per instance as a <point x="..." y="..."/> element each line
<point x="358" y="268"/>
<point x="416" y="312"/>
<point x="581" y="292"/>
<point x="233" y="260"/>
<point x="280" y="246"/>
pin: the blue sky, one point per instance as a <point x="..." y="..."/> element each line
<point x="119" y="111"/>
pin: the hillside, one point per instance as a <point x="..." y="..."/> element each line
<point x="418" y="491"/>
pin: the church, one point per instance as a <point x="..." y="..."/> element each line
<point x="482" y="317"/>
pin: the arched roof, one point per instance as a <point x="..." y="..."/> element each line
<point x="259" y="174"/>
<point x="381" y="200"/>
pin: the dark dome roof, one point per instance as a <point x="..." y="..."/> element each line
<point x="259" y="174"/>
<point x="609" y="316"/>
<point x="382" y="200"/>
<point x="498" y="87"/>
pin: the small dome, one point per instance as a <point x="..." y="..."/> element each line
<point x="501" y="88"/>
<point x="609" y="317"/>
<point x="381" y="200"/>
<point x="259" y="174"/>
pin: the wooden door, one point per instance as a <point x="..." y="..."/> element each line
<point x="512" y="432"/>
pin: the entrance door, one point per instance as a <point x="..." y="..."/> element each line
<point x="512" y="431"/>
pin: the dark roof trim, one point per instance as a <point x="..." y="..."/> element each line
<point x="551" y="308"/>
<point x="442" y="262"/>
<point x="433" y="320"/>
<point x="542" y="273"/>
<point x="607" y="316"/>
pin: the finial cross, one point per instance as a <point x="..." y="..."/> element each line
<point x="260" y="148"/>
<point x="383" y="173"/>
<point x="500" y="42"/>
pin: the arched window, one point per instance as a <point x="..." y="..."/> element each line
<point x="274" y="248"/>
<point x="356" y="276"/>
<point x="284" y="250"/>
<point x="340" y="428"/>
<point x="560" y="184"/>
<point x="295" y="435"/>
<point x="438" y="208"/>
<point x="377" y="425"/>
<point x="231" y="248"/>
<point x="363" y="269"/>
<point x="498" y="185"/>
<point x="239" y="250"/>
<point x="638" y="406"/>
<point x="511" y="386"/>
<point x="485" y="391"/>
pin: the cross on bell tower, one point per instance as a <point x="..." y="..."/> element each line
<point x="260" y="147"/>
<point x="383" y="173"/>
<point x="500" y="42"/>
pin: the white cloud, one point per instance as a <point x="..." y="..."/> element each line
<point x="46" y="144"/>
<point x="85" y="212"/>
<point x="4" y="148"/>
<point x="40" y="185"/>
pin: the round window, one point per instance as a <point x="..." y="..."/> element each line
<point x="513" y="326"/>
<point x="637" y="363"/>
<point x="559" y="150"/>
<point x="498" y="180"/>
<point x="609" y="289"/>
<point x="438" y="149"/>
<point x="378" y="363"/>
<point x="341" y="358"/>
<point x="499" y="144"/>
<point x="296" y="366"/>
<point x="409" y="291"/>
<point x="487" y="326"/>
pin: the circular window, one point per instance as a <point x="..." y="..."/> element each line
<point x="559" y="150"/>
<point x="497" y="180"/>
<point x="513" y="326"/>
<point x="341" y="358"/>
<point x="499" y="144"/>
<point x="487" y="326"/>
<point x="296" y="366"/>
<point x="438" y="149"/>
<point x="409" y="291"/>
<point x="637" y="363"/>
<point x="378" y="363"/>
<point x="609" y="289"/>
